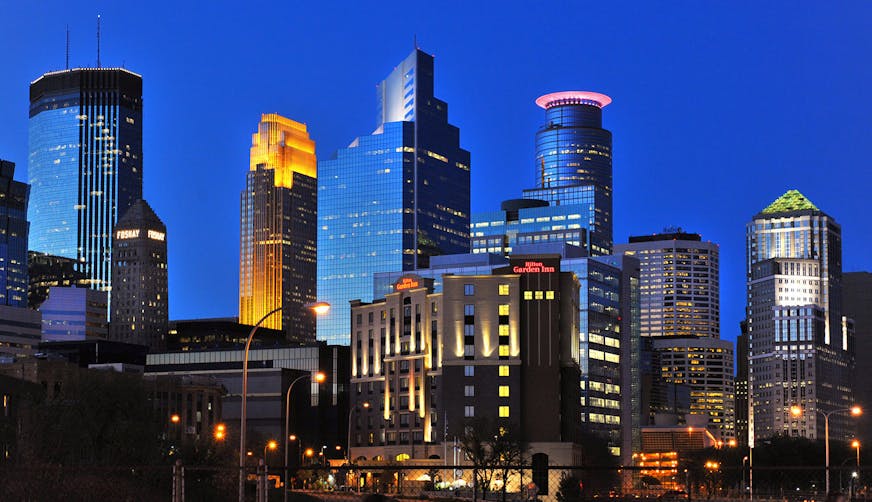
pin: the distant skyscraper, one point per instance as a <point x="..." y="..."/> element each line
<point x="392" y="199"/>
<point x="801" y="347"/>
<point x="85" y="165"/>
<point x="140" y="308"/>
<point x="13" y="240"/>
<point x="742" y="384"/>
<point x="278" y="240"/>
<point x="680" y="284"/>
<point x="74" y="314"/>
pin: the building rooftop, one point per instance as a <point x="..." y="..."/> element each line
<point x="792" y="200"/>
<point x="573" y="98"/>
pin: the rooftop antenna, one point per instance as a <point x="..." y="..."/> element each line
<point x="68" y="47"/>
<point x="98" y="40"/>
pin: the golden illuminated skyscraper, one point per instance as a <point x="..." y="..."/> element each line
<point x="279" y="228"/>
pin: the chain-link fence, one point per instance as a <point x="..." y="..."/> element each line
<point x="432" y="482"/>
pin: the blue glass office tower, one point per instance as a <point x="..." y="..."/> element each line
<point x="391" y="199"/>
<point x="13" y="238"/>
<point x="85" y="164"/>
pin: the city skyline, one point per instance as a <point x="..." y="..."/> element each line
<point x="701" y="108"/>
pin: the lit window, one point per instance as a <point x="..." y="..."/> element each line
<point x="469" y="371"/>
<point x="504" y="290"/>
<point x="528" y="295"/>
<point x="469" y="411"/>
<point x="504" y="351"/>
<point x="549" y="295"/>
<point x="504" y="391"/>
<point x="539" y="295"/>
<point x="504" y="412"/>
<point x="504" y="310"/>
<point x="469" y="309"/>
<point x="504" y="371"/>
<point x="504" y="330"/>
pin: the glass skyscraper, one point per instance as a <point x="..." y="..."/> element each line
<point x="572" y="200"/>
<point x="85" y="164"/>
<point x="391" y="199"/>
<point x="278" y="228"/>
<point x="13" y="241"/>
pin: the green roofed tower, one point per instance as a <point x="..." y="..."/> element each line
<point x="792" y="200"/>
<point x="801" y="347"/>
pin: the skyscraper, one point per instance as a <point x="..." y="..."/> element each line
<point x="140" y="307"/>
<point x="572" y="200"/>
<point x="801" y="347"/>
<point x="278" y="228"/>
<point x="680" y="293"/>
<point x="391" y="199"/>
<point x="13" y="240"/>
<point x="857" y="305"/>
<point x="85" y="165"/>
<point x="574" y="160"/>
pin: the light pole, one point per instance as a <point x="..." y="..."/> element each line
<point x="856" y="444"/>
<point x="316" y="307"/>
<point x="364" y="404"/>
<point x="319" y="377"/>
<point x="856" y="411"/>
<point x="272" y="444"/>
<point x="744" y="459"/>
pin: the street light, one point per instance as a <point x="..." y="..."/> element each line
<point x="856" y="411"/>
<point x="220" y="432"/>
<point x="272" y="444"/>
<point x="364" y="404"/>
<point x="318" y="308"/>
<point x="319" y="377"/>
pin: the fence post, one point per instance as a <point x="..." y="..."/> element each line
<point x="260" y="484"/>
<point x="178" y="482"/>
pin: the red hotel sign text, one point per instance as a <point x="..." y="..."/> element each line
<point x="533" y="267"/>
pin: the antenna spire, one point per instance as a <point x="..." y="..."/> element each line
<point x="98" y="40"/>
<point x="68" y="48"/>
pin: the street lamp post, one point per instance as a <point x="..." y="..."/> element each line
<point x="317" y="308"/>
<point x="319" y="377"/>
<point x="364" y="404"/>
<point x="796" y="411"/>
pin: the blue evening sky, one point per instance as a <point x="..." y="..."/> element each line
<point x="719" y="107"/>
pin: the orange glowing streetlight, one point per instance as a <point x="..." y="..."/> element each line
<point x="175" y="418"/>
<point x="854" y="411"/>
<point x="856" y="444"/>
<point x="220" y="432"/>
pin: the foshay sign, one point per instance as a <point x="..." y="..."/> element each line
<point x="533" y="267"/>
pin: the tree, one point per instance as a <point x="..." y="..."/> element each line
<point x="570" y="489"/>
<point x="492" y="450"/>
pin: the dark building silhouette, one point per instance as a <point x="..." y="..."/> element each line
<point x="857" y="305"/>
<point x="139" y="307"/>
<point x="46" y="271"/>
<point x="13" y="240"/>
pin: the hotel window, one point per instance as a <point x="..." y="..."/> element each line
<point x="504" y="290"/>
<point x="469" y="310"/>
<point x="504" y="391"/>
<point x="468" y="289"/>
<point x="504" y="310"/>
<point x="469" y="371"/>
<point x="504" y="412"/>
<point x="504" y="351"/>
<point x="469" y="351"/>
<point x="504" y="330"/>
<point x="539" y="295"/>
<point x="469" y="390"/>
<point x="528" y="295"/>
<point x="504" y="371"/>
<point x="469" y="411"/>
<point x="549" y="295"/>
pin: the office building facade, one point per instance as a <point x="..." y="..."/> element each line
<point x="801" y="346"/>
<point x="392" y="199"/>
<point x="74" y="314"/>
<point x="680" y="284"/>
<point x="857" y="305"/>
<point x="20" y="332"/>
<point x="140" y="305"/>
<point x="524" y="222"/>
<point x="705" y="366"/>
<point x="742" y="349"/>
<point x="13" y="243"/>
<point x="278" y="233"/>
<point x="85" y="164"/>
